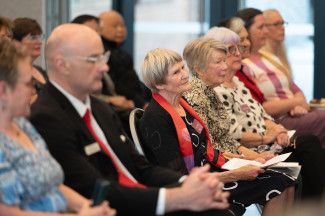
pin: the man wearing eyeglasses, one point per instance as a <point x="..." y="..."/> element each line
<point x="87" y="139"/>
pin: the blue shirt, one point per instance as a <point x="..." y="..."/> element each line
<point x="27" y="179"/>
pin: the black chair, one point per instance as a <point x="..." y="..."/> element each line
<point x="134" y="118"/>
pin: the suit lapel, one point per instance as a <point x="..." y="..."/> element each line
<point x="105" y="121"/>
<point x="72" y="113"/>
<point x="115" y="136"/>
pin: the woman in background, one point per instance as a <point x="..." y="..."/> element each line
<point x="29" y="33"/>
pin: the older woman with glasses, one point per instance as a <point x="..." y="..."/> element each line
<point x="236" y="24"/>
<point x="211" y="110"/>
<point x="31" y="181"/>
<point x="175" y="136"/>
<point x="283" y="98"/>
<point x="256" y="129"/>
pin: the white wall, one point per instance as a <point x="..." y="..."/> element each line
<point x="34" y="9"/>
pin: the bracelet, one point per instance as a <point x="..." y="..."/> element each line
<point x="262" y="137"/>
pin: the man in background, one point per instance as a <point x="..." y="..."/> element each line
<point x="126" y="81"/>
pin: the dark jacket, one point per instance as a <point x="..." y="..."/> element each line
<point x="159" y="138"/>
<point x="66" y="135"/>
<point x="123" y="75"/>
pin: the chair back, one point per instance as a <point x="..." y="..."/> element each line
<point x="134" y="118"/>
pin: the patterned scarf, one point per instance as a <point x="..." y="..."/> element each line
<point x="213" y="156"/>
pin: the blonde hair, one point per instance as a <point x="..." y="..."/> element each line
<point x="155" y="66"/>
<point x="281" y="52"/>
<point x="11" y="52"/>
<point x="198" y="52"/>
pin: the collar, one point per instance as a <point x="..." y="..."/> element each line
<point x="197" y="82"/>
<point x="108" y="44"/>
<point x="76" y="103"/>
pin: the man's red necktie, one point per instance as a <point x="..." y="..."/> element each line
<point x="122" y="176"/>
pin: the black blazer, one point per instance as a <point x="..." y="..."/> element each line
<point x="66" y="136"/>
<point x="159" y="138"/>
<point x="125" y="78"/>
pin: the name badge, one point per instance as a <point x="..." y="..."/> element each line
<point x="92" y="148"/>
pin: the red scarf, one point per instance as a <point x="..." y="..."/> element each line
<point x="250" y="84"/>
<point x="185" y="144"/>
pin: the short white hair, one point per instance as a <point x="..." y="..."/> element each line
<point x="224" y="35"/>
<point x="155" y="66"/>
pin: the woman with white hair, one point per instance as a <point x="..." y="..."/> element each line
<point x="237" y="25"/>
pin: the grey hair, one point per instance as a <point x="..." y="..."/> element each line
<point x="224" y="35"/>
<point x="155" y="66"/>
<point x="11" y="52"/>
<point x="236" y="24"/>
<point x="267" y="13"/>
<point x="199" y="52"/>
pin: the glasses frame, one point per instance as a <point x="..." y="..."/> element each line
<point x="240" y="48"/>
<point x="95" y="59"/>
<point x="37" y="37"/>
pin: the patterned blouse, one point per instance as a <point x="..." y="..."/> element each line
<point x="246" y="114"/>
<point x="268" y="73"/>
<point x="205" y="102"/>
<point x="27" y="179"/>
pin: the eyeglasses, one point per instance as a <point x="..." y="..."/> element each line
<point x="94" y="59"/>
<point x="35" y="37"/>
<point x="232" y="50"/>
<point x="277" y="24"/>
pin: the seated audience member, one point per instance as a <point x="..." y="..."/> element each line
<point x="254" y="127"/>
<point x="124" y="77"/>
<point x="210" y="109"/>
<point x="121" y="105"/>
<point x="31" y="180"/>
<point x="283" y="99"/>
<point x="174" y="135"/>
<point x="236" y="24"/>
<point x="87" y="139"/>
<point x="117" y="100"/>
<point x="5" y="27"/>
<point x="29" y="33"/>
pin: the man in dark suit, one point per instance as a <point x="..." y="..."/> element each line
<point x="122" y="72"/>
<point x="87" y="139"/>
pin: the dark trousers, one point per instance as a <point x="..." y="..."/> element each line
<point x="311" y="157"/>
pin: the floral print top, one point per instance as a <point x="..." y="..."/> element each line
<point x="205" y="102"/>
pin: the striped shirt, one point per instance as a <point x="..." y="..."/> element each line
<point x="269" y="74"/>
